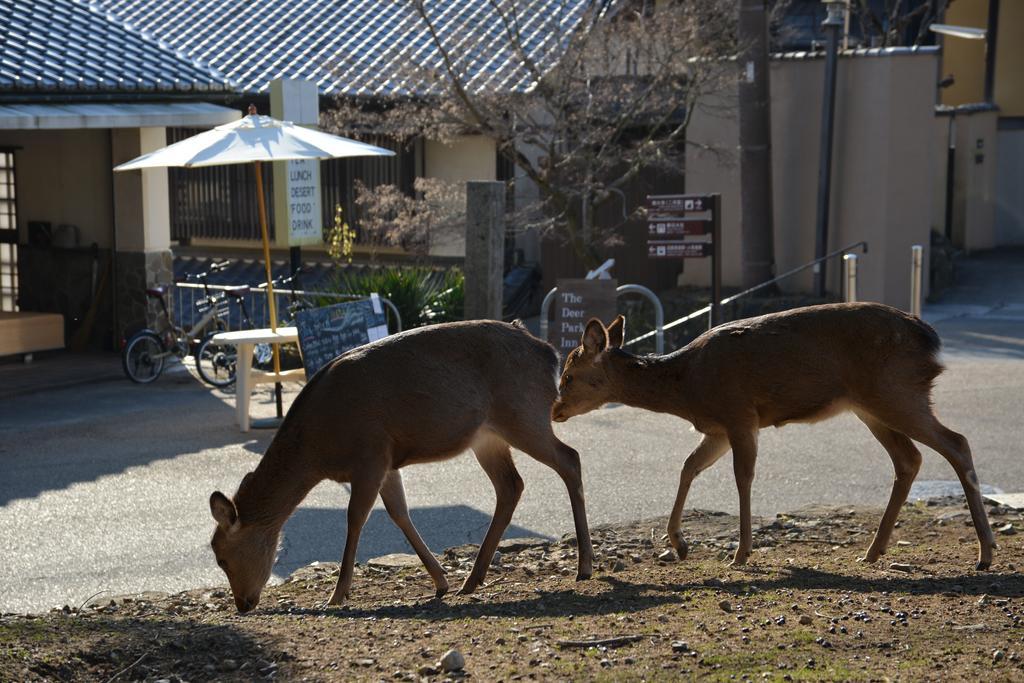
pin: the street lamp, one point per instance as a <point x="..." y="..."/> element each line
<point x="833" y="23"/>
<point x="967" y="33"/>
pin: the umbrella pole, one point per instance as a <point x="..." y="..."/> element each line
<point x="271" y="304"/>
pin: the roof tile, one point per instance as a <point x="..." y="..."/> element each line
<point x="351" y="47"/>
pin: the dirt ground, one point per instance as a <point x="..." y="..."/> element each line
<point x="803" y="609"/>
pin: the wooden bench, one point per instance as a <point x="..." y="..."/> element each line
<point x="27" y="332"/>
<point x="247" y="377"/>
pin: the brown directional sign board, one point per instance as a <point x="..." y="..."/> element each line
<point x="576" y="302"/>
<point x="678" y="249"/>
<point x="666" y="227"/>
<point x="671" y="219"/>
<point x="663" y="203"/>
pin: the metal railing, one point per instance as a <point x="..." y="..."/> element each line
<point x="186" y="294"/>
<point x="659" y="314"/>
<point x="707" y="309"/>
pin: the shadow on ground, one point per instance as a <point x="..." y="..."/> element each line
<point x="981" y="336"/>
<point x="305" y="540"/>
<point x="133" y="649"/>
<point x="75" y="441"/>
<point x="626" y="597"/>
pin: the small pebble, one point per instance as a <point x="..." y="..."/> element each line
<point x="725" y="606"/>
<point x="805" y="619"/>
<point x="452" y="661"/>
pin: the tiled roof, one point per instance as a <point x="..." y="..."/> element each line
<point x="350" y="47"/>
<point x="64" y="45"/>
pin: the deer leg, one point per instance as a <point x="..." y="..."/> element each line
<point x="954" y="448"/>
<point x="364" y="493"/>
<point x="744" y="453"/>
<point x="393" y="495"/>
<point x="494" y="456"/>
<point x="708" y="451"/>
<point x="906" y="461"/>
<point x="541" y="444"/>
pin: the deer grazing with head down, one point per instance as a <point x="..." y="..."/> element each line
<point x="802" y="365"/>
<point x="419" y="396"/>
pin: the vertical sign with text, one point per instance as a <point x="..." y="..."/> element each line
<point x="576" y="302"/>
<point x="305" y="223"/>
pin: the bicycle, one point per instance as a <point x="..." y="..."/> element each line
<point x="145" y="353"/>
<point x="217" y="363"/>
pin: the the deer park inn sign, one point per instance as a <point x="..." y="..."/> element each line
<point x="576" y="302"/>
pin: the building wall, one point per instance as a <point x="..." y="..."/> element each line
<point x="965" y="59"/>
<point x="881" y="176"/>
<point x="64" y="176"/>
<point x="467" y="157"/>
<point x="975" y="168"/>
<point x="1009" y="77"/>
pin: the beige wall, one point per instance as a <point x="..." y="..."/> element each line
<point x="141" y="204"/>
<point x="63" y="176"/>
<point x="881" y="176"/>
<point x="467" y="157"/>
<point x="965" y="59"/>
<point x="975" y="180"/>
<point x="1009" y="76"/>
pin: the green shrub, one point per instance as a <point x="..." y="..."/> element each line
<point x="423" y="296"/>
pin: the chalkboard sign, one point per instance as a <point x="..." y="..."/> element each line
<point x="326" y="333"/>
<point x="576" y="302"/>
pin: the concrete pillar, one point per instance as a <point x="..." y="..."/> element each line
<point x="485" y="248"/>
<point x="142" y="228"/>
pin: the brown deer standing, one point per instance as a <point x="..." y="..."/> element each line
<point x="802" y="365"/>
<point x="419" y="396"/>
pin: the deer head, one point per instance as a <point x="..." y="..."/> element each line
<point x="245" y="552"/>
<point x="585" y="384"/>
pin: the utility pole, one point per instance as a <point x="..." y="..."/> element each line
<point x="755" y="145"/>
<point x="832" y="24"/>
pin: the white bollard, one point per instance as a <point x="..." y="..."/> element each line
<point x="917" y="260"/>
<point x="850" y="277"/>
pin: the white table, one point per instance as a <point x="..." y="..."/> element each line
<point x="247" y="377"/>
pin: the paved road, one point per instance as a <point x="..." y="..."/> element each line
<point x="104" y="488"/>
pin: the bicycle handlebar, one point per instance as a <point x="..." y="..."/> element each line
<point x="284" y="280"/>
<point x="214" y="268"/>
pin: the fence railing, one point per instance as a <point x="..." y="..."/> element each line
<point x="863" y="246"/>
<point x="186" y="294"/>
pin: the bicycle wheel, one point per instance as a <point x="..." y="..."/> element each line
<point x="216" y="362"/>
<point x="143" y="357"/>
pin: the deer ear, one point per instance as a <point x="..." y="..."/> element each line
<point x="223" y="510"/>
<point x="617" y="332"/>
<point x="595" y="337"/>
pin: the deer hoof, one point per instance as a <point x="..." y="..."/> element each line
<point x="337" y="599"/>
<point x="468" y="587"/>
<point x="871" y="557"/>
<point x="738" y="560"/>
<point x="983" y="565"/>
<point x="440" y="586"/>
<point x="682" y="550"/>
<point x="583" y="576"/>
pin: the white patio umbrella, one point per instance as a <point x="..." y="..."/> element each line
<point x="255" y="139"/>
